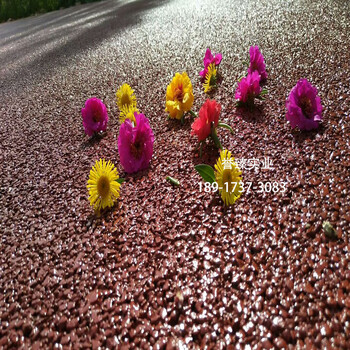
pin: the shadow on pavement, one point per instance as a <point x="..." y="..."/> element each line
<point x="38" y="44"/>
<point x="13" y="32"/>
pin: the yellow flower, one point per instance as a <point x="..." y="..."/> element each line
<point x="102" y="185"/>
<point x="228" y="178"/>
<point x="210" y="78"/>
<point x="179" y="96"/>
<point x="127" y="112"/>
<point x="125" y="97"/>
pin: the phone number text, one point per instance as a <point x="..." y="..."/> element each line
<point x="275" y="186"/>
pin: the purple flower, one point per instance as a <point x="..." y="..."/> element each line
<point x="135" y="144"/>
<point x="304" y="107"/>
<point x="95" y="116"/>
<point x="208" y="59"/>
<point x="257" y="62"/>
<point x="248" y="88"/>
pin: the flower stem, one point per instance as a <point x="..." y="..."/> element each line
<point x="214" y="136"/>
<point x="183" y="119"/>
<point x="192" y="113"/>
<point x="200" y="149"/>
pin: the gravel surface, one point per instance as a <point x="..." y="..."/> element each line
<point x="170" y="266"/>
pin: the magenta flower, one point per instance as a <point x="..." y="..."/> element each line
<point x="304" y="107"/>
<point x="248" y="88"/>
<point x="208" y="59"/>
<point x="95" y="116"/>
<point x="257" y="62"/>
<point x="135" y="144"/>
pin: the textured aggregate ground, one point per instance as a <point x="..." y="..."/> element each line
<point x="170" y="267"/>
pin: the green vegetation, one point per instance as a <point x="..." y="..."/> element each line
<point x="22" y="8"/>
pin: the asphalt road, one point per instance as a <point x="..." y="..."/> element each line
<point x="169" y="266"/>
<point x="36" y="45"/>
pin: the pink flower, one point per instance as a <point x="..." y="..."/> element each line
<point x="248" y="88"/>
<point x="95" y="116"/>
<point x="135" y="144"/>
<point x="208" y="59"/>
<point x="257" y="62"/>
<point x="208" y="113"/>
<point x="304" y="107"/>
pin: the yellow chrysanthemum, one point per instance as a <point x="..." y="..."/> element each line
<point x="128" y="113"/>
<point x="179" y="96"/>
<point x="228" y="177"/>
<point x="125" y="97"/>
<point x="102" y="185"/>
<point x="210" y="78"/>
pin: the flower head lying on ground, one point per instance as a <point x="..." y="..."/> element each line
<point x="103" y="185"/>
<point x="135" y="144"/>
<point x="304" y="107"/>
<point x="248" y="89"/>
<point x="209" y="112"/>
<point x="125" y="97"/>
<point x="179" y="96"/>
<point x="210" y="78"/>
<point x="128" y="112"/>
<point x="95" y="116"/>
<point x="228" y="177"/>
<point x="209" y="58"/>
<point x="257" y="63"/>
<point x="207" y="122"/>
